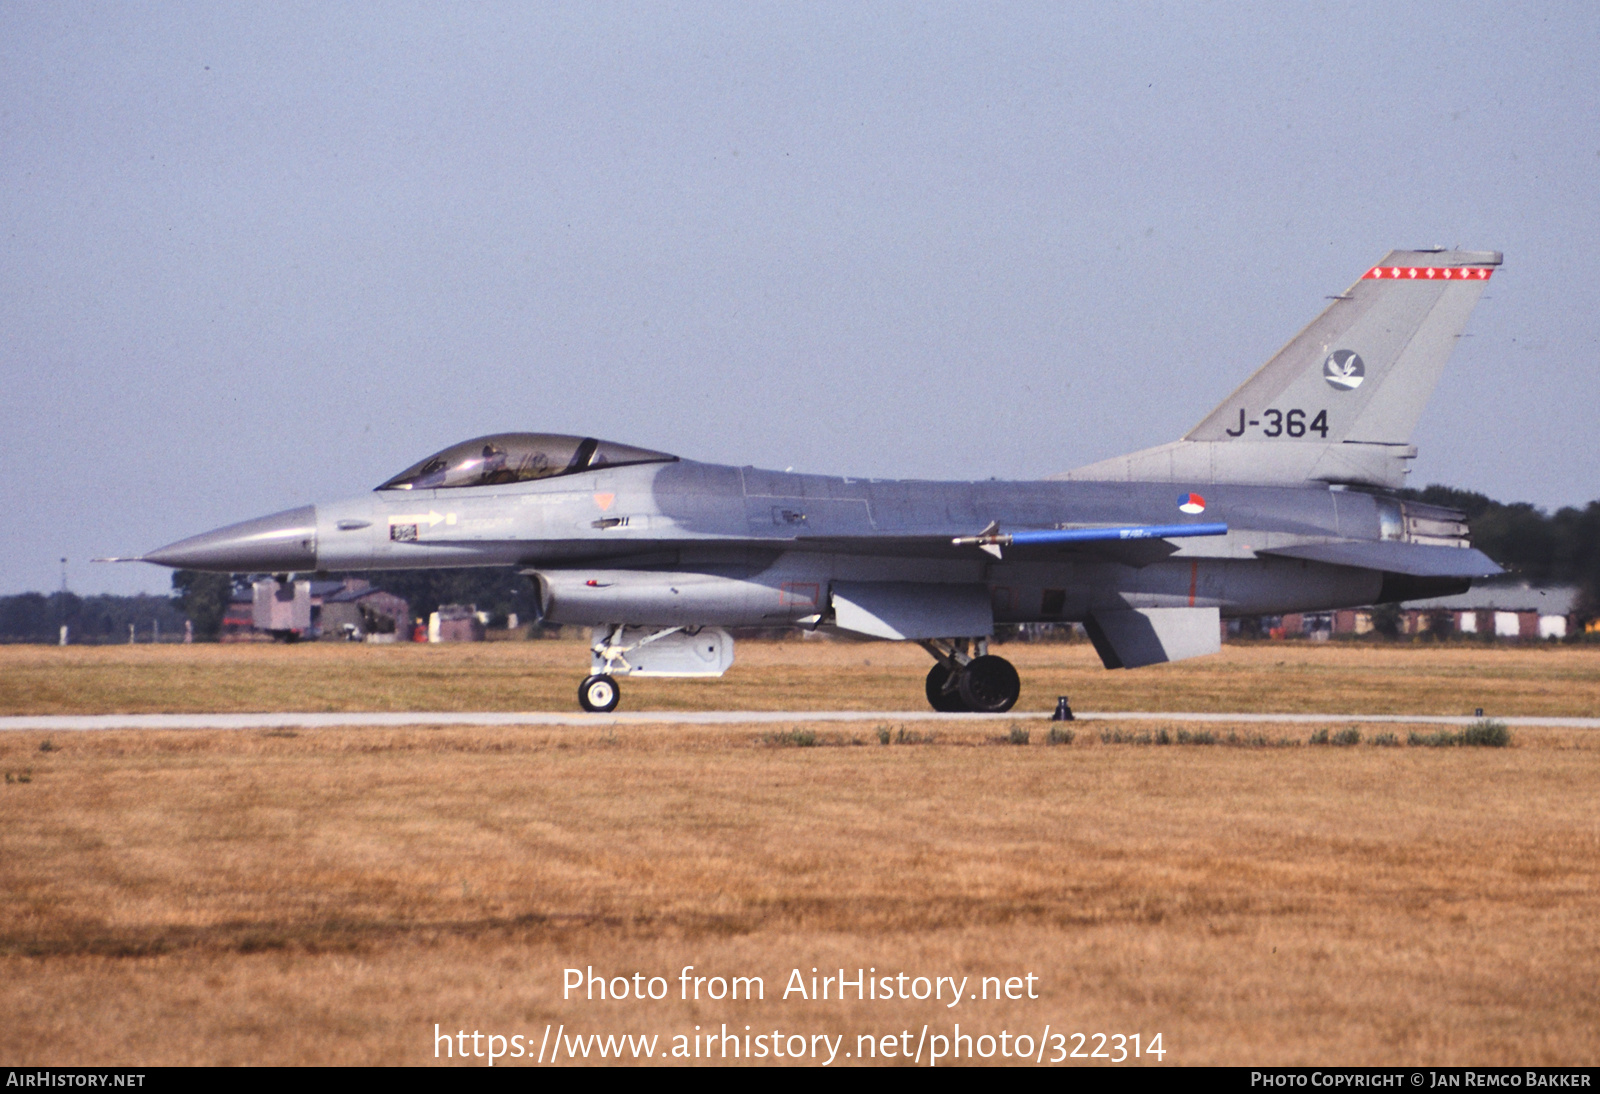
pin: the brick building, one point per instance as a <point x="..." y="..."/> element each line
<point x="1526" y="612"/>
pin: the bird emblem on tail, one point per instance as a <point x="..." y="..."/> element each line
<point x="1344" y="370"/>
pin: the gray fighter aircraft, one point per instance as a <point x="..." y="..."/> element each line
<point x="1278" y="501"/>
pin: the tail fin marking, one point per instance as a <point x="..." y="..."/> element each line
<point x="1338" y="403"/>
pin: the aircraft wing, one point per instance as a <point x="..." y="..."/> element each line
<point x="1130" y="545"/>
<point x="992" y="540"/>
<point x="667" y="552"/>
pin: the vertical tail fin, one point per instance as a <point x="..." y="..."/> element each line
<point x="1339" y="402"/>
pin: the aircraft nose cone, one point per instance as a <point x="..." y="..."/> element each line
<point x="279" y="543"/>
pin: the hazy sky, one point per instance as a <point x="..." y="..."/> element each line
<point x="261" y="255"/>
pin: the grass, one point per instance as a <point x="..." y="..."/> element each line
<point x="326" y="896"/>
<point x="1484" y="733"/>
<point x="1166" y="736"/>
<point x="792" y="675"/>
<point x="1343" y="738"/>
<point x="226" y="897"/>
<point x="791" y="738"/>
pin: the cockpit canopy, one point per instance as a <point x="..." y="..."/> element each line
<point x="517" y="457"/>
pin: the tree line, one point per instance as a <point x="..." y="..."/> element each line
<point x="1560" y="548"/>
<point x="38" y="617"/>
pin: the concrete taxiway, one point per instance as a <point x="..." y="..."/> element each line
<point x="329" y="720"/>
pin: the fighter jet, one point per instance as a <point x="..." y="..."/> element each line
<point x="1280" y="500"/>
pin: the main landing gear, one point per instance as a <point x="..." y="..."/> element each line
<point x="967" y="678"/>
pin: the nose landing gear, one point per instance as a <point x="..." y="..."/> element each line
<point x="599" y="694"/>
<point x="966" y="677"/>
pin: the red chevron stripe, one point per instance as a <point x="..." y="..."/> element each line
<point x="1428" y="273"/>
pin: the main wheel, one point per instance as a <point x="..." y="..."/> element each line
<point x="989" y="685"/>
<point x="946" y="702"/>
<point x="599" y="694"/>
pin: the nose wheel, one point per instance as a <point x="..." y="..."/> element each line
<point x="599" y="694"/>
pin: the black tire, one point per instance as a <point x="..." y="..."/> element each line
<point x="990" y="685"/>
<point x="599" y="694"/>
<point x="946" y="702"/>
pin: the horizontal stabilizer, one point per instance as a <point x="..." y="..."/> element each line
<point x="908" y="610"/>
<point x="1416" y="560"/>
<point x="1129" y="639"/>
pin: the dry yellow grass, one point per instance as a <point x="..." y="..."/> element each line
<point x="793" y="675"/>
<point x="328" y="896"/>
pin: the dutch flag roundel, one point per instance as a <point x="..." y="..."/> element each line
<point x="1192" y="503"/>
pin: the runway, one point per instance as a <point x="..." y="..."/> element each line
<point x="329" y="720"/>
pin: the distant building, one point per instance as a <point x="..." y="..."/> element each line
<point x="350" y="610"/>
<point x="1352" y="621"/>
<point x="1505" y="611"/>
<point x="354" y="611"/>
<point x="282" y="609"/>
<point x="457" y="623"/>
<point x="238" y="619"/>
<point x="1511" y="612"/>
